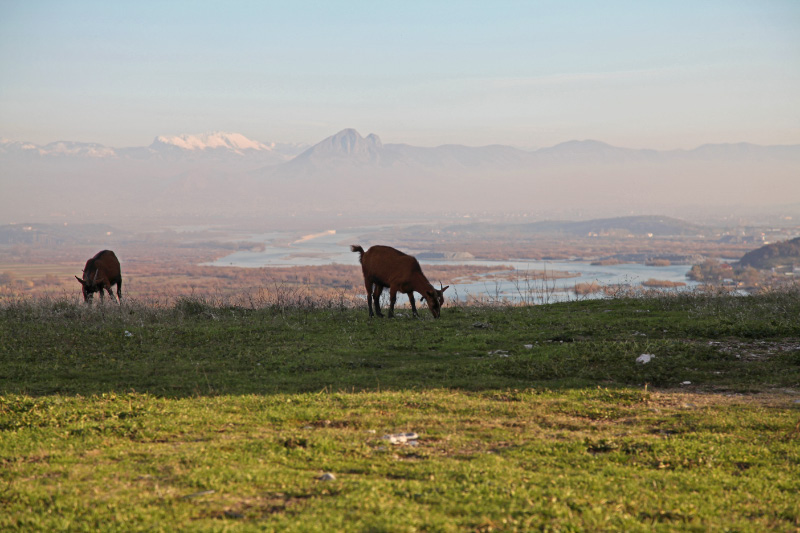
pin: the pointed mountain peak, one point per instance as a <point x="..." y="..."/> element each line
<point x="348" y="133"/>
<point x="351" y="137"/>
<point x="347" y="142"/>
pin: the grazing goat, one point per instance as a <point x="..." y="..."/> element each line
<point x="383" y="267"/>
<point x="101" y="273"/>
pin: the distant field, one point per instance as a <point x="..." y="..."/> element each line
<point x="38" y="271"/>
<point x="208" y="416"/>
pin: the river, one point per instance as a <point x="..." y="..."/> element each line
<point x="330" y="246"/>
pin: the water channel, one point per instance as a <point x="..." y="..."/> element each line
<point x="521" y="284"/>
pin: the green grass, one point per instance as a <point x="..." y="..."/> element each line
<point x="201" y="416"/>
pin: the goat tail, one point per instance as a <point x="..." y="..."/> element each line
<point x="359" y="249"/>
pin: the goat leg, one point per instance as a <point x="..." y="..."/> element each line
<point x="392" y="300"/>
<point x="413" y="303"/>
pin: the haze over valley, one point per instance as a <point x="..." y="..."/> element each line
<point x="227" y="176"/>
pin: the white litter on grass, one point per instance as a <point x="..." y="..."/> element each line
<point x="644" y="358"/>
<point x="499" y="353"/>
<point x="402" y="438"/>
<point x="327" y="476"/>
<point x="128" y="333"/>
<point x="686" y="382"/>
<point x="528" y="346"/>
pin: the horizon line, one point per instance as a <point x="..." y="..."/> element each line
<point x="6" y="140"/>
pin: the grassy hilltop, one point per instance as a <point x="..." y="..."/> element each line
<point x="203" y="416"/>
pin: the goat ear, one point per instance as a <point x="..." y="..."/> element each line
<point x="444" y="288"/>
<point x="80" y="280"/>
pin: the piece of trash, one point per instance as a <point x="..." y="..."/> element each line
<point x="327" y="476"/>
<point x="480" y="325"/>
<point x="528" y="346"/>
<point x="128" y="333"/>
<point x="401" y="438"/>
<point x="686" y="382"/>
<point x="499" y="353"/>
<point x="201" y="493"/>
<point x="644" y="358"/>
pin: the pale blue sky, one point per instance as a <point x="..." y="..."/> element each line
<point x="640" y="73"/>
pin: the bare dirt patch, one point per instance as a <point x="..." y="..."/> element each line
<point x="756" y="350"/>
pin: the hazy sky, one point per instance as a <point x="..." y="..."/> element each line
<point x="531" y="73"/>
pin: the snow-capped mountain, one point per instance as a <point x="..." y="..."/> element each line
<point x="58" y="148"/>
<point x="217" y="143"/>
<point x="219" y="140"/>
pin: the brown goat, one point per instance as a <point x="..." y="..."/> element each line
<point x="384" y="266"/>
<point x="101" y="273"/>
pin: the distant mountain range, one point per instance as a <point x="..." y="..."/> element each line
<point x="227" y="174"/>
<point x="639" y="226"/>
